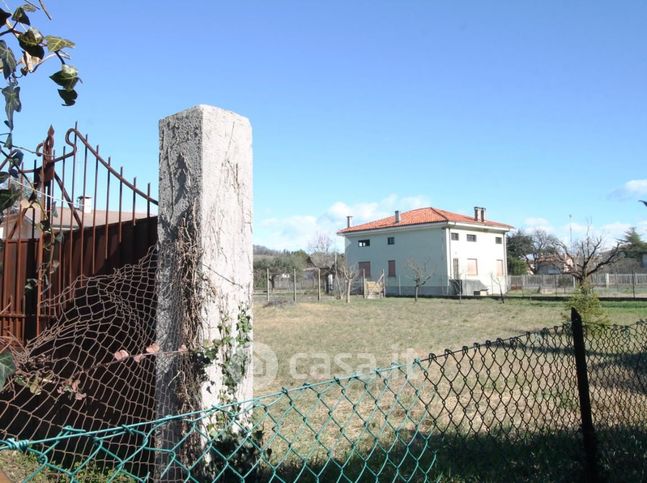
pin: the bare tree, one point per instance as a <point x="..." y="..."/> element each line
<point x="347" y="273"/>
<point x="532" y="248"/>
<point x="586" y="257"/>
<point x="321" y="252"/>
<point x="420" y="274"/>
<point x="497" y="281"/>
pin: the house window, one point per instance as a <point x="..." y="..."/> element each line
<point x="472" y="266"/>
<point x="455" y="268"/>
<point x="364" y="269"/>
<point x="499" y="268"/>
<point x="471" y="238"/>
<point x="390" y="240"/>
<point x="498" y="240"/>
<point x="391" y="268"/>
<point x="454" y="236"/>
<point x="364" y="243"/>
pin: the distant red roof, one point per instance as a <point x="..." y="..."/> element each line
<point x="422" y="216"/>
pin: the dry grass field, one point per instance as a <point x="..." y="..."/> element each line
<point x="309" y="335"/>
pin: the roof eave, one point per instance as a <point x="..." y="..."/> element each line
<point x="462" y="224"/>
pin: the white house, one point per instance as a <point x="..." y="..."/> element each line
<point x="453" y="252"/>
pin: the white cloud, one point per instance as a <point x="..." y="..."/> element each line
<point x="631" y="190"/>
<point x="614" y="231"/>
<point x="296" y="232"/>
<point x="532" y="224"/>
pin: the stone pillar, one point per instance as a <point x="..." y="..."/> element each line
<point x="205" y="258"/>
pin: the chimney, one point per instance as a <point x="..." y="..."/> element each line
<point x="397" y="216"/>
<point x="482" y="214"/>
<point x="84" y="203"/>
<point x="476" y="213"/>
<point x="349" y="221"/>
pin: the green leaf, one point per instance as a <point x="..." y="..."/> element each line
<point x="54" y="44"/>
<point x="68" y="96"/>
<point x="29" y="8"/>
<point x="8" y="198"/>
<point x="4" y="176"/>
<point x="67" y="77"/>
<point x="35" y="387"/>
<point x="11" y="95"/>
<point x="4" y="16"/>
<point x="20" y="16"/>
<point x="8" y="59"/>
<point x="30" y="42"/>
<point x="31" y="37"/>
<point x="7" y="368"/>
<point x="16" y="157"/>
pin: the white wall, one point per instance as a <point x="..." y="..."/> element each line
<point x="485" y="250"/>
<point x="430" y="246"/>
<point x="424" y="247"/>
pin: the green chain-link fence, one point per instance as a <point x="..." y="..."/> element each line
<point x="503" y="410"/>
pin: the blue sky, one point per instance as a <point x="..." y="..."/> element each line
<point x="535" y="110"/>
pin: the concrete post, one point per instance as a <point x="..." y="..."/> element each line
<point x="205" y="236"/>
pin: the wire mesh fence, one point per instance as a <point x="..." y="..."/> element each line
<point x="604" y="284"/>
<point x="494" y="411"/>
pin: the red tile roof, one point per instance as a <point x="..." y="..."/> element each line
<point x="422" y="216"/>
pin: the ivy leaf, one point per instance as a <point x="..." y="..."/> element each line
<point x="30" y="42"/>
<point x="8" y="143"/>
<point x="31" y="284"/>
<point x="67" y="77"/>
<point x="69" y="97"/>
<point x="7" y="198"/>
<point x="16" y="157"/>
<point x="11" y="95"/>
<point x="54" y="44"/>
<point x="8" y="59"/>
<point x="20" y="16"/>
<point x="4" y="16"/>
<point x="35" y="387"/>
<point x="29" y="8"/>
<point x="7" y="368"/>
<point x="4" y="176"/>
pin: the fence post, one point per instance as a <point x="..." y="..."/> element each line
<point x="364" y="283"/>
<point x="318" y="284"/>
<point x="588" y="431"/>
<point x="205" y="236"/>
<point x="267" y="283"/>
<point x="294" y="280"/>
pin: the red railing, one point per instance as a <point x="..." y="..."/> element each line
<point x="87" y="219"/>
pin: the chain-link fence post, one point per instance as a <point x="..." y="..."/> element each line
<point x="294" y="285"/>
<point x="588" y="431"/>
<point x="318" y="285"/>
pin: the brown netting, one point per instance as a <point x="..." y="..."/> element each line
<point x="70" y="375"/>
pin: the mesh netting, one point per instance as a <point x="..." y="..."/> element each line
<point x="69" y="376"/>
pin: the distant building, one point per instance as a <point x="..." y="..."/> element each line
<point x="24" y="222"/>
<point x="457" y="252"/>
<point x="553" y="265"/>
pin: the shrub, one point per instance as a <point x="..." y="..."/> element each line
<point x="588" y="305"/>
